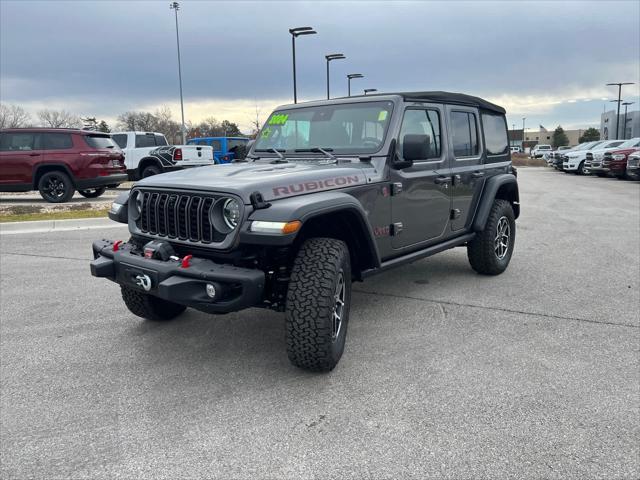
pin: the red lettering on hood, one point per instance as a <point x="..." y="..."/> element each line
<point x="315" y="185"/>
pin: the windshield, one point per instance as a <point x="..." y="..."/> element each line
<point x="634" y="142"/>
<point x="343" y="128"/>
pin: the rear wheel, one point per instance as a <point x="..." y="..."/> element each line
<point x="92" y="192"/>
<point x="490" y="251"/>
<point x="318" y="301"/>
<point x="56" y="187"/>
<point x="150" y="307"/>
<point x="580" y="170"/>
<point x="150" y="171"/>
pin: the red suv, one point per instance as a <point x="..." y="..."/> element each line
<point x="57" y="161"/>
<point x="617" y="162"/>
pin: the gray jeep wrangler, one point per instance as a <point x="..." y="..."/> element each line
<point x="331" y="192"/>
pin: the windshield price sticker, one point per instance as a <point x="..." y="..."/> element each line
<point x="280" y="119"/>
<point x="266" y="133"/>
<point x="382" y="116"/>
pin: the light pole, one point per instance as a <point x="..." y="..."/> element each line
<point x="370" y="90"/>
<point x="624" y="127"/>
<point x="619" y="95"/>
<point x="349" y="78"/>
<point x="296" y="32"/>
<point x="332" y="56"/>
<point x="523" y="119"/>
<point x="176" y="6"/>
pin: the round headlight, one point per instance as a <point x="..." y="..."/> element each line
<point x="136" y="205"/>
<point x="231" y="213"/>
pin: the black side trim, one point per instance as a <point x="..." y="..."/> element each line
<point x="491" y="187"/>
<point x="413" y="256"/>
<point x="101" y="181"/>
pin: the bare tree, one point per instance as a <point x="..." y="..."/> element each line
<point x="59" y="119"/>
<point x="13" y="116"/>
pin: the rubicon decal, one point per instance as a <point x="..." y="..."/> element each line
<point x="316" y="185"/>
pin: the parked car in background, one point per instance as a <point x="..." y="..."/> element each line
<point x="573" y="160"/>
<point x="616" y="161"/>
<point x="149" y="153"/>
<point x="633" y="166"/>
<point x="551" y="156"/>
<point x="59" y="161"/>
<point x="539" y="150"/>
<point x="594" y="161"/>
<point x="225" y="149"/>
<point x="516" y="149"/>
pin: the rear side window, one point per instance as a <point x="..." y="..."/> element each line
<point x="100" y="141"/>
<point x="235" y="143"/>
<point x="422" y="122"/>
<point x="161" y="141"/>
<point x="145" y="141"/>
<point x="120" y="139"/>
<point x="19" y="142"/>
<point x="464" y="134"/>
<point x="217" y="146"/>
<point x="57" y="141"/>
<point x="495" y="133"/>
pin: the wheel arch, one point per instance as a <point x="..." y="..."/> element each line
<point x="43" y="168"/>
<point x="146" y="162"/>
<point x="504" y="187"/>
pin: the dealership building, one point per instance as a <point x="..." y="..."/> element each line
<point x="608" y="125"/>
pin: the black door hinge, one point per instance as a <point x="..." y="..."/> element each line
<point x="396" y="229"/>
<point x="396" y="188"/>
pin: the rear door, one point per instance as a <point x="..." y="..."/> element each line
<point x="19" y="153"/>
<point x="420" y="201"/>
<point x="58" y="149"/>
<point x="467" y="170"/>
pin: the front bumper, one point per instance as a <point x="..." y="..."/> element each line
<point x="96" y="182"/>
<point x="237" y="288"/>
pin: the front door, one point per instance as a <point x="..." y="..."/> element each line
<point x="421" y="203"/>
<point x="19" y="152"/>
<point x="467" y="169"/>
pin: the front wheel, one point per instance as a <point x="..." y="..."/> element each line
<point x="318" y="301"/>
<point x="150" y="307"/>
<point x="56" y="187"/>
<point x="580" y="170"/>
<point x="92" y="192"/>
<point x="150" y="171"/>
<point x="490" y="251"/>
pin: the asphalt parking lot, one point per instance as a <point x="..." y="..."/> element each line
<point x="446" y="374"/>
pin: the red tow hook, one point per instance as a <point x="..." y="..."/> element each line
<point x="186" y="260"/>
<point x="116" y="246"/>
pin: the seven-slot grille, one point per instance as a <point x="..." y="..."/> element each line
<point x="179" y="216"/>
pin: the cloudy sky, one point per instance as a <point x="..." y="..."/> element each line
<point x="548" y="61"/>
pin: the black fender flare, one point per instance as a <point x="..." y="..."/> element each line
<point x="145" y="162"/>
<point x="306" y="208"/>
<point x="47" y="166"/>
<point x="503" y="186"/>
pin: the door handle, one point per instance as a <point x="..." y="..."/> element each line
<point x="441" y="180"/>
<point x="477" y="174"/>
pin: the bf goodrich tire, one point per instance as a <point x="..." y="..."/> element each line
<point x="56" y="187"/>
<point x="150" y="171"/>
<point x="92" y="192"/>
<point x="318" y="300"/>
<point x="490" y="251"/>
<point x="150" y="307"/>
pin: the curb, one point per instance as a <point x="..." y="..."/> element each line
<point x="43" y="226"/>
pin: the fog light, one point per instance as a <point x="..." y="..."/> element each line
<point x="211" y="290"/>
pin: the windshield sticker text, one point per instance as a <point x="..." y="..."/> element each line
<point x="279" y="119"/>
<point x="315" y="185"/>
<point x="266" y="133"/>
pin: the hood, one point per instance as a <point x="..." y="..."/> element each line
<point x="273" y="181"/>
<point x="624" y="151"/>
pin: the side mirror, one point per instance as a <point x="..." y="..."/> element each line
<point x="414" y="147"/>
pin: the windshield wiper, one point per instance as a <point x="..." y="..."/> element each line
<point x="277" y="151"/>
<point x="326" y="151"/>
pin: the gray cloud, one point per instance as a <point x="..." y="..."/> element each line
<point x="113" y="56"/>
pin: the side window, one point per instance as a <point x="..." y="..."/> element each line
<point x="495" y="134"/>
<point x="217" y="146"/>
<point x="422" y="122"/>
<point x="464" y="134"/>
<point x="120" y="139"/>
<point x="17" y="142"/>
<point x="145" y="141"/>
<point x="161" y="141"/>
<point x="57" y="141"/>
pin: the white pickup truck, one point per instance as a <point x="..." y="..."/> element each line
<point x="148" y="153"/>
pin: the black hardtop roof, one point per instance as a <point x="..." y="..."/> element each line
<point x="450" y="97"/>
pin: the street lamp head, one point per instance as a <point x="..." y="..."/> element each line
<point x="628" y="103"/>
<point x="297" y="30"/>
<point x="306" y="32"/>
<point x="620" y="83"/>
<point x="174" y="6"/>
<point x="334" y="56"/>
<point x="355" y="75"/>
<point x="369" y="90"/>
